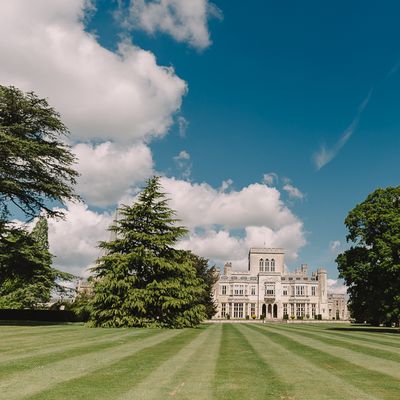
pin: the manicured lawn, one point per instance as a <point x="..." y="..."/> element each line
<point x="216" y="361"/>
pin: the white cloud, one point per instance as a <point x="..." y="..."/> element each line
<point x="270" y="178"/>
<point x="121" y="96"/>
<point x="201" y="204"/>
<point x="293" y="191"/>
<point x="336" y="286"/>
<point x="74" y="240"/>
<point x="334" y="245"/>
<point x="184" y="20"/>
<point x="108" y="170"/>
<point x="221" y="228"/>
<point x="326" y="155"/>
<point x="219" y="246"/>
<point x="223" y="225"/>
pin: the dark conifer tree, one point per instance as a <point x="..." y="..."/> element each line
<point x="142" y="280"/>
<point x="27" y="278"/>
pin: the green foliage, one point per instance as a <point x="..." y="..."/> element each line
<point x="209" y="276"/>
<point x="35" y="165"/>
<point x="27" y="278"/>
<point x="142" y="280"/>
<point x="80" y="306"/>
<point x="371" y="267"/>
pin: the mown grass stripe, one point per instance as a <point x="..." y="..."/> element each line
<point x="365" y="379"/>
<point x="346" y="334"/>
<point x="115" y="379"/>
<point x="29" y="339"/>
<point x="383" y="366"/>
<point x="358" y="333"/>
<point x="39" y="379"/>
<point x="38" y="330"/>
<point x="44" y="345"/>
<point x="50" y="355"/>
<point x="159" y="385"/>
<point x="353" y="345"/>
<point x="300" y="373"/>
<point x="193" y="381"/>
<point x="241" y="373"/>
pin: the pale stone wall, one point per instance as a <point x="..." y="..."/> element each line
<point x="266" y="289"/>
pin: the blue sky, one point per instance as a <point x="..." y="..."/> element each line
<point x="279" y="81"/>
<point x="269" y="85"/>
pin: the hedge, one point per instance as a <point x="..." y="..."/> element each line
<point x="39" y="315"/>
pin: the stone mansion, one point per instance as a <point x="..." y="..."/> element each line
<point x="267" y="289"/>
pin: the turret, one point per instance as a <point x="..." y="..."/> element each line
<point x="228" y="268"/>
<point x="323" y="292"/>
<point x="266" y="260"/>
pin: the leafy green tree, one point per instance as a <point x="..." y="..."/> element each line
<point x="371" y="267"/>
<point x="210" y="277"/>
<point x="35" y="164"/>
<point x="27" y="278"/>
<point x="142" y="280"/>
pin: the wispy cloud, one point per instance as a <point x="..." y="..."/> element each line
<point x="393" y="70"/>
<point x="182" y="126"/>
<point x="270" y="178"/>
<point x="326" y="155"/>
<point x="293" y="191"/>
<point x="182" y="160"/>
<point x="334" y="245"/>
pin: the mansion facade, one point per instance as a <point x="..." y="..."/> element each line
<point x="267" y="290"/>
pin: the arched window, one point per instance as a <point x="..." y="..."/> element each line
<point x="261" y="265"/>
<point x="272" y="265"/>
<point x="267" y="264"/>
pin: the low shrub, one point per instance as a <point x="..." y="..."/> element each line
<point x="247" y="317"/>
<point x="285" y="316"/>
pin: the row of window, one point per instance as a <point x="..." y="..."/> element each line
<point x="267" y="265"/>
<point x="238" y="290"/>
<point x="241" y="290"/>
<point x="299" y="309"/>
<point x="238" y="310"/>
<point x="299" y="290"/>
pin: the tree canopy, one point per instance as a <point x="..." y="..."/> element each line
<point x="142" y="280"/>
<point x="27" y="278"/>
<point x="371" y="267"/>
<point x="35" y="162"/>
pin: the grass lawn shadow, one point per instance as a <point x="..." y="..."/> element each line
<point x="365" y="328"/>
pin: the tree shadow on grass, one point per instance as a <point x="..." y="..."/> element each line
<point x="365" y="328"/>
